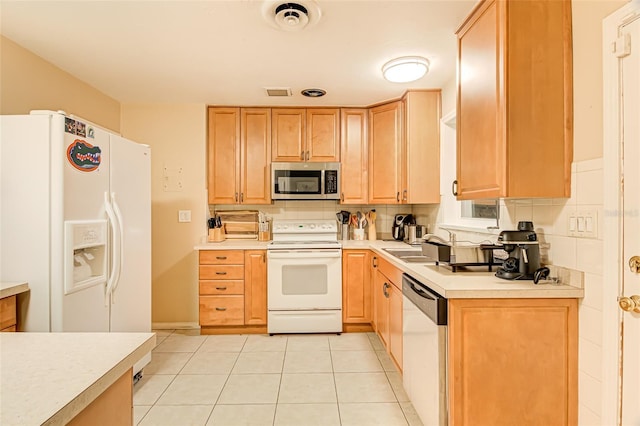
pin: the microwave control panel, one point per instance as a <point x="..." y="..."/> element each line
<point x="330" y="181"/>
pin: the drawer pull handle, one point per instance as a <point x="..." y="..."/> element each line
<point x="221" y="288"/>
<point x="221" y="309"/>
<point x="221" y="257"/>
<point x="221" y="273"/>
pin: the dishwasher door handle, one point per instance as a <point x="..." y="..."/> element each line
<point x="421" y="292"/>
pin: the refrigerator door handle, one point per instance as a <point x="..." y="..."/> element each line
<point x="113" y="223"/>
<point x="118" y="248"/>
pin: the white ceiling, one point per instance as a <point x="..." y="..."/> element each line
<point x="226" y="53"/>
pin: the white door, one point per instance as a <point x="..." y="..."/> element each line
<point x="621" y="236"/>
<point x="630" y="76"/>
<point x="130" y="186"/>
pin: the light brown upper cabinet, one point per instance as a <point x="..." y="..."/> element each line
<point x="514" y="106"/>
<point x="354" y="180"/>
<point x="239" y="153"/>
<point x="385" y="153"/>
<point x="404" y="150"/>
<point x="300" y="134"/>
<point x="421" y="173"/>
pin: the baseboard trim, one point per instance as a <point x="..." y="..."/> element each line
<point x="175" y="326"/>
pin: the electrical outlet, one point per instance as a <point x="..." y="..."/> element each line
<point x="184" y="215"/>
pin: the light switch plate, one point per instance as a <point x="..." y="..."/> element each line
<point x="184" y="215"/>
<point x="583" y="224"/>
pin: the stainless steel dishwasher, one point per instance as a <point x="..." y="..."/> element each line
<point x="424" y="340"/>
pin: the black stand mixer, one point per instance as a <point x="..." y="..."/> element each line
<point x="524" y="253"/>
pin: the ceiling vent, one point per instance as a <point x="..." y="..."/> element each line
<point x="278" y="91"/>
<point x="291" y="16"/>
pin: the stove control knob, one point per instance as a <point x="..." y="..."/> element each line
<point x="312" y="226"/>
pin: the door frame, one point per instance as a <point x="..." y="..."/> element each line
<point x="612" y="218"/>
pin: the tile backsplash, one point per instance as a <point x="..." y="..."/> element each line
<point x="328" y="209"/>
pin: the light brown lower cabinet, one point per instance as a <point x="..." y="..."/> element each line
<point x="8" y="314"/>
<point x="233" y="291"/>
<point x="356" y="290"/>
<point x="113" y="407"/>
<point x="388" y="306"/>
<point x="513" y="362"/>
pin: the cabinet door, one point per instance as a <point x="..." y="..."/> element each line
<point x="288" y="133"/>
<point x="381" y="295"/>
<point x="323" y="134"/>
<point x="513" y="361"/>
<point x="354" y="153"/>
<point x="255" y="154"/>
<point x="421" y="174"/>
<point x="385" y="152"/>
<point x="255" y="285"/>
<point x="223" y="155"/>
<point x="395" y="324"/>
<point x="356" y="287"/>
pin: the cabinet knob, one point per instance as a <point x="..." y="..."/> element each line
<point x="398" y="196"/>
<point x="404" y="195"/>
<point x="302" y="155"/>
<point x="221" y="257"/>
<point x="236" y="197"/>
<point x="221" y="273"/>
<point x="634" y="264"/>
<point x="221" y="309"/>
<point x="454" y="187"/>
<point x="307" y="157"/>
<point x="374" y="262"/>
<point x="242" y="197"/>
<point x="630" y="304"/>
<point x="221" y="288"/>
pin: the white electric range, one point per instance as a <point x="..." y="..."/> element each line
<point x="304" y="278"/>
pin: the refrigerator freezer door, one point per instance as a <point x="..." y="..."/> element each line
<point x="83" y="161"/>
<point x="130" y="186"/>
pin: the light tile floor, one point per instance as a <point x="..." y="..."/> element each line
<point x="295" y="380"/>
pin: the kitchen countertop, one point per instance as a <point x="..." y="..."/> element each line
<point x="11" y="288"/>
<point x="452" y="285"/>
<point x="48" y="378"/>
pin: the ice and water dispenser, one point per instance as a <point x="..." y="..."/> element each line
<point x="85" y="252"/>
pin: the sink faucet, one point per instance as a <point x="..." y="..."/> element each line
<point x="452" y="237"/>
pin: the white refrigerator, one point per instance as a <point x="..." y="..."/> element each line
<point x="75" y="215"/>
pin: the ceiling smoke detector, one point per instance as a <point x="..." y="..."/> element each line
<point x="291" y="16"/>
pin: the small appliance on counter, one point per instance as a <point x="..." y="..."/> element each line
<point x="524" y="253"/>
<point x="397" y="229"/>
<point x="413" y="234"/>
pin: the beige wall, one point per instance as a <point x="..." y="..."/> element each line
<point x="177" y="136"/>
<point x="28" y="82"/>
<point x="587" y="75"/>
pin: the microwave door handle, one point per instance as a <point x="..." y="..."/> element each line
<point x="322" y="189"/>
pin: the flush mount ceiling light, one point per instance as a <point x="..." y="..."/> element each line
<point x="405" y="69"/>
<point x="313" y="93"/>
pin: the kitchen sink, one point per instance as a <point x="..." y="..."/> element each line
<point x="413" y="256"/>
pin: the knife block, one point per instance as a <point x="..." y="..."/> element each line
<point x="216" y="235"/>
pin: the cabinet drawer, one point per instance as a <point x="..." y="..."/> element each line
<point x="222" y="287"/>
<point x="222" y="257"/>
<point x="391" y="272"/>
<point x="221" y="272"/>
<point x="7" y="312"/>
<point x="221" y="310"/>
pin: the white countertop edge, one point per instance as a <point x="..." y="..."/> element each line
<point x="460" y="285"/>
<point x="82" y="401"/>
<point x="27" y="381"/>
<point x="11" y="288"/>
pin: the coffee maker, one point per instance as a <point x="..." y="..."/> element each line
<point x="524" y="253"/>
<point x="397" y="229"/>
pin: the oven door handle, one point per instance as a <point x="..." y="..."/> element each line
<point x="304" y="254"/>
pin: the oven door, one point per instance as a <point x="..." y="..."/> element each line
<point x="309" y="279"/>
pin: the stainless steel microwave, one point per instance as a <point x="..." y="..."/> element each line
<point x="305" y="181"/>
